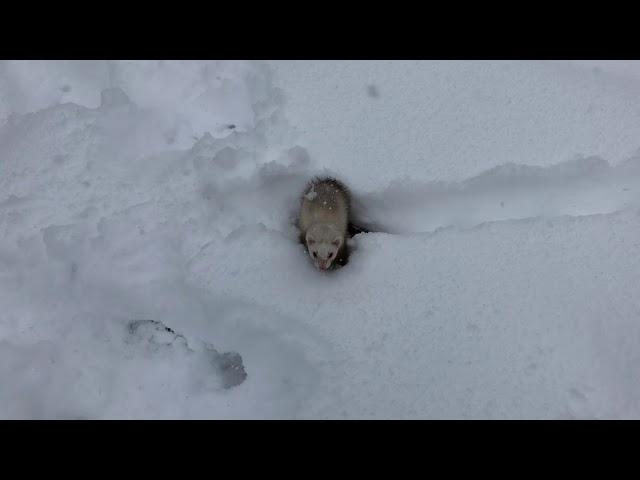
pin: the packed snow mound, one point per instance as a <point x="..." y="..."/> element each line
<point x="150" y="268"/>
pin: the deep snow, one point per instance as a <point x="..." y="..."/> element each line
<point x="502" y="282"/>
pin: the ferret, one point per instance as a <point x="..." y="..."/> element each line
<point x="324" y="222"/>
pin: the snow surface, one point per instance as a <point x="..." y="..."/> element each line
<point x="501" y="281"/>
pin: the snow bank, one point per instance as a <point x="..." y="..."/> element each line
<point x="451" y="120"/>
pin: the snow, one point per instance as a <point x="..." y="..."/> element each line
<point x="148" y="259"/>
<point x="311" y="194"/>
<point x="450" y="120"/>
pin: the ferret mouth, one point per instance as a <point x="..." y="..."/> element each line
<point x="323" y="265"/>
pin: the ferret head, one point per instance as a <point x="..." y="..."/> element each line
<point x="323" y="243"/>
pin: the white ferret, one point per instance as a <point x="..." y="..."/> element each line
<point x="324" y="222"/>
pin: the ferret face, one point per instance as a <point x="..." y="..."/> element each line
<point x="323" y="246"/>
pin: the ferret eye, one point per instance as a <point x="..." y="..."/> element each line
<point x="315" y="255"/>
<point x="330" y="255"/>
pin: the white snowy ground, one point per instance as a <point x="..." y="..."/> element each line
<point x="505" y="284"/>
